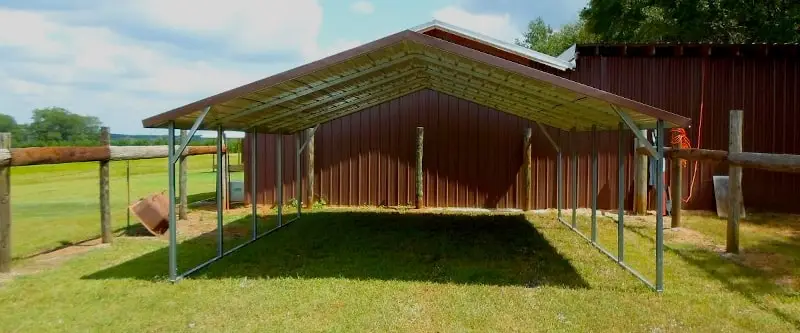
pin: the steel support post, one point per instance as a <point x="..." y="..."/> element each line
<point x="574" y="179"/>
<point x="220" y="216"/>
<point x="173" y="233"/>
<point x="621" y="195"/>
<point x="660" y="205"/>
<point x="594" y="183"/>
<point x="254" y="180"/>
<point x="279" y="177"/>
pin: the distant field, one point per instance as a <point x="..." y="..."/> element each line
<point x="58" y="204"/>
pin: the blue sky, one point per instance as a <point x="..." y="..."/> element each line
<point x="125" y="60"/>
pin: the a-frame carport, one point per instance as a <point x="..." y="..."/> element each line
<point x="394" y="66"/>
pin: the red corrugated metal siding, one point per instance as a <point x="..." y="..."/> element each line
<point x="473" y="153"/>
<point x="764" y="87"/>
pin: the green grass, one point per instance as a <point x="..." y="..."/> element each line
<point x="54" y="205"/>
<point x="363" y="270"/>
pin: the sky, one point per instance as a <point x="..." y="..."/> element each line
<point x="125" y="60"/>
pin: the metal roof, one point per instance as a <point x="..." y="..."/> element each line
<point x="524" y="52"/>
<point x="397" y="65"/>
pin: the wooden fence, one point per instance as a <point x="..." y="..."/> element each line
<point x="10" y="157"/>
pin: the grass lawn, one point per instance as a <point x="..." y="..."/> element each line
<point x="365" y="270"/>
<point x="54" y="205"/>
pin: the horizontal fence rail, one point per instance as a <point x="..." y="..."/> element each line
<point x="764" y="161"/>
<point x="58" y="155"/>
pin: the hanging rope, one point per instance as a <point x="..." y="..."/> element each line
<point x="699" y="128"/>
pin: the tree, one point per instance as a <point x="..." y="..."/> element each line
<point x="713" y="21"/>
<point x="541" y="37"/>
<point x="7" y="123"/>
<point x="57" y="126"/>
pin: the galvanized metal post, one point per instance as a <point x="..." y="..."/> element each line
<point x="254" y="181"/>
<point x="173" y="233"/>
<point x="621" y="195"/>
<point x="220" y="189"/>
<point x="660" y="206"/>
<point x="279" y="177"/>
<point x="297" y="180"/>
<point x="574" y="179"/>
<point x="594" y="183"/>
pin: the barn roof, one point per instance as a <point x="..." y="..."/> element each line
<point x="400" y="64"/>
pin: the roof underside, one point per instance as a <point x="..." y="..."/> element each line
<point x="401" y="64"/>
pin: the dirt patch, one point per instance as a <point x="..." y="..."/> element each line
<point x="51" y="259"/>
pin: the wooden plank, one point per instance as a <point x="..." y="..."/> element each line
<point x="5" y="209"/>
<point x="764" y="161"/>
<point x="526" y="169"/>
<point x="676" y="192"/>
<point x="59" y="155"/>
<point x="105" y="196"/>
<point x="310" y="149"/>
<point x="418" y="174"/>
<point x="183" y="178"/>
<point x="734" y="182"/>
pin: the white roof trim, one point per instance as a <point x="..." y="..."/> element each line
<point x="539" y="57"/>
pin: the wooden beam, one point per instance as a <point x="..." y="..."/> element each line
<point x="526" y="169"/>
<point x="105" y="196"/>
<point x="676" y="182"/>
<point x="59" y="155"/>
<point x="764" y="161"/>
<point x="183" y="179"/>
<point x="734" y="182"/>
<point x="310" y="149"/>
<point x="418" y="172"/>
<point x="5" y="208"/>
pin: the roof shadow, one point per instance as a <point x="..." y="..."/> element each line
<point x="482" y="249"/>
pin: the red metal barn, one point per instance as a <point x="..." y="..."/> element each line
<point x="367" y="158"/>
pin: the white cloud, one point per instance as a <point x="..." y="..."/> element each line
<point x="245" y="26"/>
<point x="362" y="7"/>
<point x="95" y="66"/>
<point x="493" y="25"/>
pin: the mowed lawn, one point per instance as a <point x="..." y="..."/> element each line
<point x="54" y="205"/>
<point x="387" y="270"/>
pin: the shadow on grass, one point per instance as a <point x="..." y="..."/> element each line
<point x="484" y="249"/>
<point x="749" y="282"/>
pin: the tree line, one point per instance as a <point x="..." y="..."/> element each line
<point x="653" y="21"/>
<point x="56" y="126"/>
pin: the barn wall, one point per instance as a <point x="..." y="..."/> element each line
<point x="472" y="157"/>
<point x="765" y="87"/>
<point x="367" y="158"/>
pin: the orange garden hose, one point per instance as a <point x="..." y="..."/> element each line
<point x="679" y="135"/>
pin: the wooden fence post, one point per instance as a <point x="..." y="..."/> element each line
<point x="676" y="181"/>
<point x="418" y="177"/>
<point x="526" y="165"/>
<point x="183" y="178"/>
<point x="223" y="166"/>
<point x="310" y="168"/>
<point x="105" y="197"/>
<point x="640" y="180"/>
<point x="5" y="208"/>
<point x="734" y="182"/>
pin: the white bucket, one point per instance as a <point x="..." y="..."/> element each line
<point x="237" y="191"/>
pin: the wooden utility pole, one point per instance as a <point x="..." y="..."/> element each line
<point x="5" y="208"/>
<point x="734" y="182"/>
<point x="419" y="203"/>
<point x="105" y="196"/>
<point x="183" y="178"/>
<point x="223" y="167"/>
<point x="640" y="180"/>
<point x="310" y="168"/>
<point x="676" y="193"/>
<point x="526" y="169"/>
